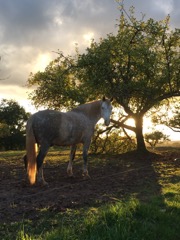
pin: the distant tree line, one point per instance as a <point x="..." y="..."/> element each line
<point x="13" y="118"/>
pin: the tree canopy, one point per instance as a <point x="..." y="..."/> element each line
<point x="139" y="66"/>
<point x="12" y="125"/>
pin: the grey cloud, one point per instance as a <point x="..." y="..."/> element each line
<point x="31" y="22"/>
<point x="157" y="9"/>
<point x="20" y="19"/>
<point x="175" y="16"/>
<point x="47" y="25"/>
<point x="26" y="22"/>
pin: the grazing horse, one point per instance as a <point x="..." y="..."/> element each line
<point x="49" y="127"/>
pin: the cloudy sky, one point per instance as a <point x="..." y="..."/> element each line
<point x="30" y="30"/>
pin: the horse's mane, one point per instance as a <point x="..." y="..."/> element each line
<point x="90" y="108"/>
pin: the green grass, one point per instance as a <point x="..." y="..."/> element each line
<point x="128" y="219"/>
<point x="125" y="219"/>
<point x="9" y="154"/>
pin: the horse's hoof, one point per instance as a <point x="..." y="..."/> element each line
<point x="42" y="183"/>
<point x="72" y="176"/>
<point x="45" y="184"/>
<point x="70" y="173"/>
<point x="86" y="176"/>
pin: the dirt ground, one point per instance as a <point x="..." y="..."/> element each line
<point x="112" y="178"/>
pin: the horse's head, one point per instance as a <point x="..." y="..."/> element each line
<point x="106" y="109"/>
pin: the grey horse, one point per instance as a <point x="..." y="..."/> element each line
<point x="49" y="127"/>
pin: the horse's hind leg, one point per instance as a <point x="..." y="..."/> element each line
<point x="25" y="164"/>
<point x="72" y="156"/>
<point x="25" y="161"/>
<point x="85" y="154"/>
<point x="40" y="158"/>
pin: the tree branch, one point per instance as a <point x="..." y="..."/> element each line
<point x="121" y="124"/>
<point x="172" y="128"/>
<point x="127" y="135"/>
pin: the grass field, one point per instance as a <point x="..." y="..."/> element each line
<point x="128" y="197"/>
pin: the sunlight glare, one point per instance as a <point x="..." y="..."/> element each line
<point x="88" y="37"/>
<point x="130" y="122"/>
<point x="41" y="62"/>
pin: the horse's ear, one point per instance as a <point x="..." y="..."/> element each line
<point x="111" y="99"/>
<point x="104" y="99"/>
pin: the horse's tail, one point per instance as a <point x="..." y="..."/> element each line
<point x="31" y="152"/>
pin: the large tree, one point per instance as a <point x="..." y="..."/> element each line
<point x="138" y="66"/>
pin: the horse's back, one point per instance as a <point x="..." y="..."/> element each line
<point x="59" y="128"/>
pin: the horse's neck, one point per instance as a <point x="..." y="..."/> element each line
<point x="91" y="110"/>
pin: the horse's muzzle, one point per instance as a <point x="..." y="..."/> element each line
<point x="107" y="122"/>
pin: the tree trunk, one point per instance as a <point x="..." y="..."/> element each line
<point x="141" y="147"/>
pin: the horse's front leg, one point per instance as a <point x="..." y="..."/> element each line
<point x="85" y="154"/>
<point x="40" y="158"/>
<point x="72" y="156"/>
